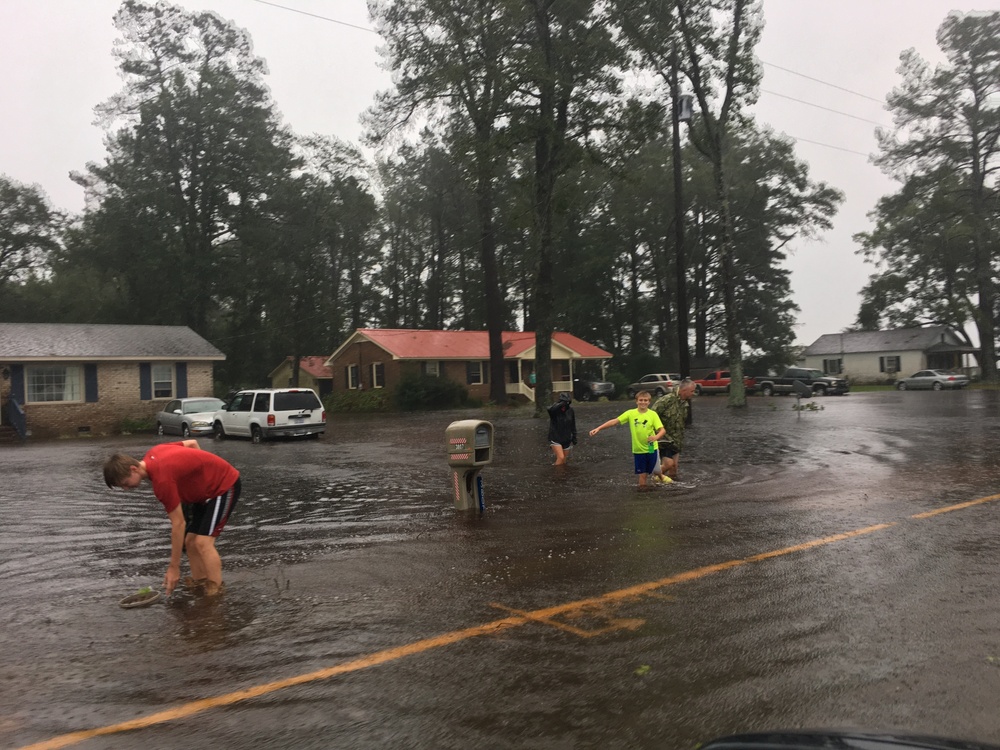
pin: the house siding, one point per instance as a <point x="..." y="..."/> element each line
<point x="118" y="398"/>
<point x="862" y="368"/>
<point x="282" y="378"/>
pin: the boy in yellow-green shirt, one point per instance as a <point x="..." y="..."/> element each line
<point x="646" y="429"/>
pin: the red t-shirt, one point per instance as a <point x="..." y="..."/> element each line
<point x="187" y="475"/>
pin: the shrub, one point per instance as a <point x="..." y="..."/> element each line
<point x="428" y="392"/>
<point x="358" y="401"/>
<point x="621" y="382"/>
<point x="132" y="425"/>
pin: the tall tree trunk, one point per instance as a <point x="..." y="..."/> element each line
<point x="491" y="284"/>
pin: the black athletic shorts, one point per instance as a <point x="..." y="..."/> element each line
<point x="209" y="518"/>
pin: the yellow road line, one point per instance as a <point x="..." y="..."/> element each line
<point x="959" y="506"/>
<point x="457" y="636"/>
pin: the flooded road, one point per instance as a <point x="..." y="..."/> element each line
<point x="795" y="579"/>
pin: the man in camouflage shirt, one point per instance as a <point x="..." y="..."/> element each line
<point x="672" y="409"/>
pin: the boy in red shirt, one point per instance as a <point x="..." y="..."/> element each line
<point x="198" y="490"/>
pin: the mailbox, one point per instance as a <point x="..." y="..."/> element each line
<point x="470" y="448"/>
<point x="470" y="443"/>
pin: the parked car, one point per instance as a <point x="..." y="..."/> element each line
<point x="657" y="383"/>
<point x="718" y="381"/>
<point x="187" y="416"/>
<point x="265" y="413"/>
<point x="814" y="380"/>
<point x="587" y="389"/>
<point x="934" y="379"/>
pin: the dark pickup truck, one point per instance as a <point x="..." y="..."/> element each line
<point x="818" y="383"/>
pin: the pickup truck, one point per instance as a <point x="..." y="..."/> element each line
<point x="717" y="381"/>
<point x="818" y="383"/>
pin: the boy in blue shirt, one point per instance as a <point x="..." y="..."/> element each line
<point x="646" y="429"/>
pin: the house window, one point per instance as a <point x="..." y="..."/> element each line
<point x="54" y="383"/>
<point x="378" y="375"/>
<point x="833" y="366"/>
<point x="888" y="364"/>
<point x="353" y="379"/>
<point x="432" y="368"/>
<point x="163" y="381"/>
<point x="474" y="373"/>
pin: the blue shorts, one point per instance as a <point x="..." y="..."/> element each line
<point x="209" y="518"/>
<point x="645" y="463"/>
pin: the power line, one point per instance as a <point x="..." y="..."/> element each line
<point x="313" y="15"/>
<point x="820" y="106"/>
<point x="825" y="83"/>
<point x="827" y="145"/>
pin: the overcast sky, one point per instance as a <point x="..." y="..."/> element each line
<point x="57" y="65"/>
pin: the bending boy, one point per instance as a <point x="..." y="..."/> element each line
<point x="198" y="490"/>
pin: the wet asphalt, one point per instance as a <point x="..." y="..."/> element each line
<point x="812" y="569"/>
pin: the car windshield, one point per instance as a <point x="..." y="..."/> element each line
<point x="296" y="401"/>
<point x="208" y="404"/>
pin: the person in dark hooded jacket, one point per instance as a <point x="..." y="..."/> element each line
<point x="562" y="428"/>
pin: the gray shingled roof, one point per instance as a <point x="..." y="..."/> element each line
<point x="27" y="341"/>
<point x="899" y="340"/>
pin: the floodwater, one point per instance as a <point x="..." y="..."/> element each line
<point x="797" y="577"/>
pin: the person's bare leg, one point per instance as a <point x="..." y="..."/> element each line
<point x="560" y="454"/>
<point x="206" y="565"/>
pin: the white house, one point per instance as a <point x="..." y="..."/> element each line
<point x="879" y="356"/>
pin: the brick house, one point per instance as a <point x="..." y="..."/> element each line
<point x="380" y="357"/>
<point x="70" y="379"/>
<point x="313" y="373"/>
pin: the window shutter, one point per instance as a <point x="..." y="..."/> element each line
<point x="881" y="364"/>
<point x="484" y="367"/>
<point x="17" y="383"/>
<point x="90" y="383"/>
<point x="182" y="379"/>
<point x="468" y="373"/>
<point x="145" y="381"/>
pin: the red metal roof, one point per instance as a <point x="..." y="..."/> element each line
<point x="314" y="366"/>
<point x="405" y="343"/>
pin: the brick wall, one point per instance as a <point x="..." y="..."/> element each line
<point x="365" y="353"/>
<point x="117" y="400"/>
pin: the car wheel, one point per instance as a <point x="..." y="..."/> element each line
<point x="185" y="431"/>
<point x="901" y="386"/>
<point x="256" y="435"/>
<point x="766" y="390"/>
<point x="585" y="396"/>
<point x="819" y="391"/>
<point x="937" y="386"/>
<point x="218" y="431"/>
<point x="697" y="390"/>
<point x="658" y="392"/>
<point x="631" y="393"/>
<point x="159" y="429"/>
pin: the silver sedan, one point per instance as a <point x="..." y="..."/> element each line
<point x="188" y="416"/>
<point x="933" y="379"/>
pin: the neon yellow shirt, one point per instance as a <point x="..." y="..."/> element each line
<point x="642" y="426"/>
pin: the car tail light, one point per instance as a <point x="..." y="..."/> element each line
<point x="951" y="377"/>
<point x="323" y="418"/>
<point x="270" y="420"/>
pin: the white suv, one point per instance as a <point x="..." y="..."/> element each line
<point x="265" y="413"/>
